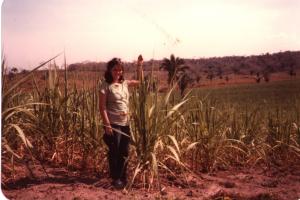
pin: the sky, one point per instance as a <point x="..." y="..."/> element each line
<point x="97" y="30"/>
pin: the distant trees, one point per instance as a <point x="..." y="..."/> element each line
<point x="267" y="76"/>
<point x="292" y="72"/>
<point x="175" y="67"/>
<point x="12" y="72"/>
<point x="227" y="79"/>
<point x="87" y="66"/>
<point x="220" y="72"/>
<point x="177" y="72"/>
<point x="198" y="78"/>
<point x="288" y="61"/>
<point x="257" y="78"/>
<point x="210" y="73"/>
<point x="235" y="69"/>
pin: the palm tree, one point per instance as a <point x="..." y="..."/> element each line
<point x="175" y="66"/>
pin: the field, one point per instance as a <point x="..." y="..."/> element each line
<point x="222" y="140"/>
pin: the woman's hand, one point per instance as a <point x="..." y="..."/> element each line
<point x="139" y="71"/>
<point x="140" y="60"/>
<point x="108" y="130"/>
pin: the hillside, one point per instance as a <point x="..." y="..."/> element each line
<point x="276" y="62"/>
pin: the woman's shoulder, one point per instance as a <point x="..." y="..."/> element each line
<point x="103" y="83"/>
<point x="103" y="86"/>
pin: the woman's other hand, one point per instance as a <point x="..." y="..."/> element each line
<point x="108" y="130"/>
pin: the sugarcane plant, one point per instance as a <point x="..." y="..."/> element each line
<point x="152" y="121"/>
<point x="19" y="123"/>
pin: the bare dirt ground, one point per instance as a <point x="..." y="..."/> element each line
<point x="257" y="183"/>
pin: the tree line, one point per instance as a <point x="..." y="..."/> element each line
<point x="276" y="62"/>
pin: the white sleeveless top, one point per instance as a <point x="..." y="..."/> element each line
<point x="117" y="102"/>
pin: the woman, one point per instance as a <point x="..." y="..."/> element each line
<point x="114" y="110"/>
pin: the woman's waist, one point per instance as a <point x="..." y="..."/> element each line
<point x="118" y="117"/>
<point x="118" y="112"/>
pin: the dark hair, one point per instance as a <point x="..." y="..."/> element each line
<point x="107" y="75"/>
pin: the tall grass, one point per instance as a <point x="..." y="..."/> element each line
<point x="18" y="121"/>
<point x="153" y="120"/>
<point x="52" y="125"/>
<point x="71" y="121"/>
<point x="207" y="130"/>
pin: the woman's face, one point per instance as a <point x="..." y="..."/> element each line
<point x="116" y="72"/>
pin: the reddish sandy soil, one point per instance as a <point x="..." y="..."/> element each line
<point x="246" y="183"/>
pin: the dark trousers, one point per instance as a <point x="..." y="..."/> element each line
<point x="118" y="145"/>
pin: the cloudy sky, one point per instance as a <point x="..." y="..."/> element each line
<point x="97" y="30"/>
